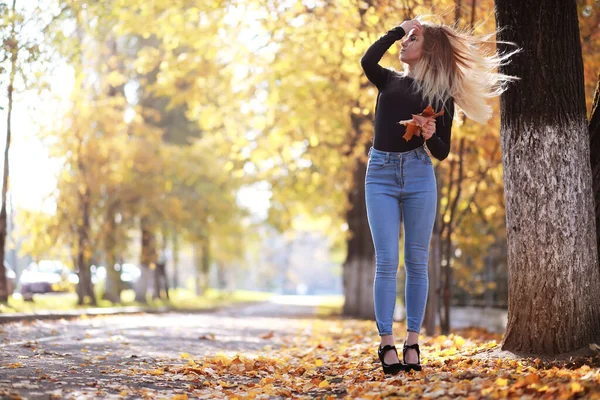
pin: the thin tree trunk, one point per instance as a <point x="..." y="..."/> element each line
<point x="85" y="287"/>
<point x="198" y="268"/>
<point x="457" y="10"/>
<point x="205" y="263"/>
<point x="148" y="258"/>
<point x="160" y="272"/>
<point x="13" y="72"/>
<point x="473" y="12"/>
<point x="448" y="246"/>
<point x="113" y="285"/>
<point x="175" y="249"/>
<point x="554" y="280"/>
<point x="435" y="260"/>
<point x="594" y="127"/>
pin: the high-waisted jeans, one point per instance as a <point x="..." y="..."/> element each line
<point x="400" y="182"/>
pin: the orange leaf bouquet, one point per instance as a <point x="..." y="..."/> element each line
<point x="414" y="126"/>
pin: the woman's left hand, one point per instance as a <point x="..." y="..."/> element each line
<point x="429" y="129"/>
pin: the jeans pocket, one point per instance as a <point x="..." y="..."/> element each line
<point x="424" y="157"/>
<point x="375" y="164"/>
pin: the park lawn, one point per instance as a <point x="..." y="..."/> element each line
<point x="181" y="299"/>
<point x="332" y="305"/>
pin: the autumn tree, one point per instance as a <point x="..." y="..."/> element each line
<point x="19" y="53"/>
<point x="139" y="161"/>
<point x="554" y="280"/>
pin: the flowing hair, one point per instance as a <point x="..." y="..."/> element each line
<point x="462" y="66"/>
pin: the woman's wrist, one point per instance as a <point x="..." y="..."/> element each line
<point x="399" y="31"/>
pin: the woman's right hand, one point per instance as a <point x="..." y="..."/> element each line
<point x="411" y="24"/>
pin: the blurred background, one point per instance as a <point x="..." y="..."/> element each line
<point x="165" y="152"/>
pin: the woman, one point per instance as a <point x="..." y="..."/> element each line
<point x="442" y="68"/>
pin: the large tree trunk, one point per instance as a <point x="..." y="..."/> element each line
<point x="359" y="267"/>
<point x="554" y="281"/>
<point x="595" y="156"/>
<point x="13" y="72"/>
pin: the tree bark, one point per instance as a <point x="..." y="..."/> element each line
<point x="202" y="261"/>
<point x="594" y="128"/>
<point x="435" y="261"/>
<point x="359" y="267"/>
<point x="113" y="285"/>
<point x="175" y="250"/>
<point x="85" y="288"/>
<point x="147" y="261"/>
<point x="205" y="263"/>
<point x="554" y="281"/>
<point x="201" y="258"/>
<point x="13" y="72"/>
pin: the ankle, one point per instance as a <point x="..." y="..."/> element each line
<point x="412" y="338"/>
<point x="387" y="340"/>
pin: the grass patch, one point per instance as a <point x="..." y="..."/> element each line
<point x="179" y="299"/>
<point x="330" y="305"/>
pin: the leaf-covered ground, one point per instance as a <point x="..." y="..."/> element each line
<point x="260" y="354"/>
<point x="337" y="360"/>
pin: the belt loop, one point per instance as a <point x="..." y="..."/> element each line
<point x="387" y="157"/>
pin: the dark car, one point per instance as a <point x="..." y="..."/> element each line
<point x="46" y="276"/>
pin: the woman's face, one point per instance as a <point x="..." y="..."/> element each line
<point x="412" y="48"/>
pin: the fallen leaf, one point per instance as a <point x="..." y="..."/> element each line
<point x="576" y="387"/>
<point x="501" y="382"/>
<point x="267" y="335"/>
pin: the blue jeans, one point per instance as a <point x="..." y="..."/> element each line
<point x="400" y="182"/>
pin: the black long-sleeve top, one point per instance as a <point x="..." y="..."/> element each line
<point x="397" y="101"/>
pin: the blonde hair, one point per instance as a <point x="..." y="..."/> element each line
<point x="458" y="65"/>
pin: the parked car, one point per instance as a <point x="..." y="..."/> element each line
<point x="130" y="274"/>
<point x="46" y="276"/>
<point x="11" y="278"/>
<point x="74" y="277"/>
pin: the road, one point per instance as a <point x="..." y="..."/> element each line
<point x="109" y="357"/>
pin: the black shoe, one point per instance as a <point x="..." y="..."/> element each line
<point x="408" y="367"/>
<point x="389" y="368"/>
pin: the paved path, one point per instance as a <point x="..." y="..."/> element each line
<point x="97" y="357"/>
